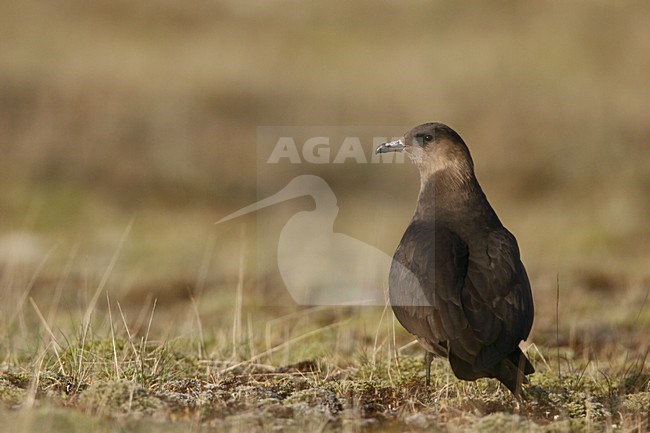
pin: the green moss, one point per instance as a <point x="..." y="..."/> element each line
<point x="323" y="400"/>
<point x="10" y="393"/>
<point x="567" y="426"/>
<point x="637" y="403"/>
<point x="502" y="422"/>
<point x="120" y="397"/>
<point x="59" y="420"/>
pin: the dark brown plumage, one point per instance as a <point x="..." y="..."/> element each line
<point x="457" y="282"/>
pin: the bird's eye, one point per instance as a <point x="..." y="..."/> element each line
<point x="427" y="138"/>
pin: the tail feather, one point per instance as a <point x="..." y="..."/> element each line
<point x="518" y="358"/>
<point x="512" y="371"/>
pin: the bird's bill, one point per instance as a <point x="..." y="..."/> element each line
<point x="391" y="146"/>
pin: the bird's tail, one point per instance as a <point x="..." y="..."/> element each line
<point x="512" y="371"/>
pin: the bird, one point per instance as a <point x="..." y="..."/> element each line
<point x="466" y="295"/>
<point x="318" y="265"/>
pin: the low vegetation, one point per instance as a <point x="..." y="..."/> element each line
<point x="301" y="369"/>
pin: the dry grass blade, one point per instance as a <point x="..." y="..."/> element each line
<point x="239" y="296"/>
<point x="283" y="345"/>
<point x="55" y="344"/>
<point x="105" y="277"/>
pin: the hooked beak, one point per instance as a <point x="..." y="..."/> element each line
<point x="391" y="146"/>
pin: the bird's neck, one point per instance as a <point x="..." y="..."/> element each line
<point x="453" y="199"/>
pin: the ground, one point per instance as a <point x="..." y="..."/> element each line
<point x="310" y="369"/>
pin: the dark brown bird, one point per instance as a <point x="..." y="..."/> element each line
<point x="457" y="282"/>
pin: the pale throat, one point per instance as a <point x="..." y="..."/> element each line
<point x="456" y="171"/>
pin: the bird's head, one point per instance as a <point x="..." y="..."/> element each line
<point x="433" y="147"/>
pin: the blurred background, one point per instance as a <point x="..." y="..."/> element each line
<point x="138" y="121"/>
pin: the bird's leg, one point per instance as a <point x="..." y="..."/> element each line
<point x="524" y="394"/>
<point x="428" y="357"/>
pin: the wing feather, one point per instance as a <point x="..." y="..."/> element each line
<point x="426" y="279"/>
<point x="478" y="301"/>
<point x="497" y="299"/>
